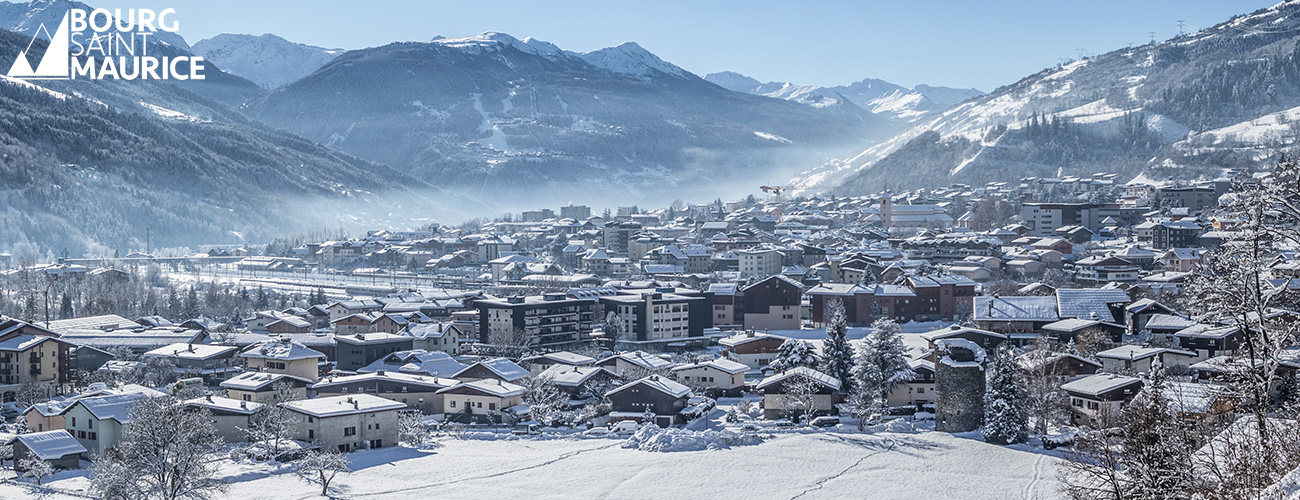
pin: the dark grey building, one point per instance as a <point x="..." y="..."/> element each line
<point x="354" y="352"/>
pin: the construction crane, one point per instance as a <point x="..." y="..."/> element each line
<point x="776" y="191"/>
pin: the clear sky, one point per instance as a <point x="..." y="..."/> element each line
<point x="981" y="44"/>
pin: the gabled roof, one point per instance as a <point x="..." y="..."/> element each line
<point x="1015" y="309"/>
<point x="1204" y="331"/>
<point x="491" y="387"/>
<point x="115" y="406"/>
<point x="405" y="378"/>
<point x="958" y="330"/>
<point x="571" y="376"/>
<point x="1083" y="302"/>
<point x="642" y="359"/>
<point x="192" y="351"/>
<point x="417" y="362"/>
<point x="1134" y="352"/>
<point x="257" y="381"/>
<point x="1100" y="383"/>
<point x="823" y="379"/>
<point x="51" y="445"/>
<point x="503" y="368"/>
<point x="281" y="349"/>
<point x="721" y="364"/>
<point x="1072" y="325"/>
<point x="563" y="357"/>
<point x="1168" y="322"/>
<point x="658" y="383"/>
<point x="218" y="403"/>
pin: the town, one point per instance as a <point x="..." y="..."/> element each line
<point x="1039" y="311"/>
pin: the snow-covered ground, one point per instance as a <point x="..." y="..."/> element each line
<point x="805" y="465"/>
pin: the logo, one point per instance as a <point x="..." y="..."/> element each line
<point x="100" y="45"/>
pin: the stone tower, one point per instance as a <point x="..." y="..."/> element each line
<point x="959" y="386"/>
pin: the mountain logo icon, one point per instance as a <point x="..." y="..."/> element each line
<point x="53" y="65"/>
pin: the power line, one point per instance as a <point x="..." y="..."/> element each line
<point x="1181" y="27"/>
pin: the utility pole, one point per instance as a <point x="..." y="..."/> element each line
<point x="1153" y="36"/>
<point x="1181" y="27"/>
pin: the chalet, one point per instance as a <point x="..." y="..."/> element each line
<point x="99" y="422"/>
<point x="492" y="369"/>
<point x="542" y="362"/>
<point x="1197" y="405"/>
<point x="1066" y="330"/>
<point x="1208" y="341"/>
<point x="983" y="338"/>
<point x="753" y="349"/>
<point x="772" y="303"/>
<point x="775" y="389"/>
<point x="1165" y="326"/>
<point x="485" y="400"/>
<point x="288" y="324"/>
<point x="1014" y="314"/>
<point x="1102" y="270"/>
<point x="285" y="356"/>
<point x="1183" y="260"/>
<point x="1102" y="304"/>
<point x="356" y="323"/>
<point x="1137" y="314"/>
<point x="213" y="363"/>
<point x="414" y="391"/>
<point x="346" y="423"/>
<point x="917" y="391"/>
<point x="230" y="417"/>
<point x="579" y="382"/>
<point x="1137" y="359"/>
<point x="719" y="376"/>
<point x="634" y="362"/>
<point x="1056" y="365"/>
<point x="416" y="362"/>
<point x="653" y="394"/>
<point x="266" y="387"/>
<point x="1095" y="398"/>
<point x="61" y="450"/>
<point x="344" y="308"/>
<point x="441" y="336"/>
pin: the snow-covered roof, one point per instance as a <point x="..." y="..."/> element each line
<point x="281" y="349"/>
<point x="976" y="351"/>
<point x="958" y="330"/>
<point x="191" y="351"/>
<point x="113" y="407"/>
<point x="503" y="368"/>
<point x="658" y="383"/>
<point x="1138" y="352"/>
<point x="563" y="357"/>
<point x="19" y="343"/>
<point x="218" y="403"/>
<point x="1015" y="309"/>
<point x="1168" y="322"/>
<point x="407" y="378"/>
<point x="569" y="375"/>
<point x="342" y="405"/>
<point x="51" y="445"/>
<point x="1188" y="397"/>
<point x="722" y="364"/>
<point x="1100" y="383"/>
<point x="429" y="330"/>
<point x="256" y="381"/>
<point x="1204" y="331"/>
<point x="747" y="337"/>
<point x="418" y="361"/>
<point x="489" y="386"/>
<point x="1084" y="302"/>
<point x="1075" y="324"/>
<point x="821" y="378"/>
<point x="642" y="359"/>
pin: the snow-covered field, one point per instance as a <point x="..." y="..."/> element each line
<point x="805" y="465"/>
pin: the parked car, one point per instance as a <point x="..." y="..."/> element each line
<point x="596" y="432"/>
<point x="826" y="421"/>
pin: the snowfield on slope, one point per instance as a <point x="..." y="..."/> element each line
<point x="805" y="465"/>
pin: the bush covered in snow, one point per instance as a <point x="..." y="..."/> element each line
<point x="653" y="438"/>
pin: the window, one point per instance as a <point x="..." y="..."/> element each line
<point x="480" y="404"/>
<point x="492" y="406"/>
<point x="248" y="397"/>
<point x="74" y="421"/>
<point x="81" y="434"/>
<point x="920" y="390"/>
<point x="349" y="431"/>
<point x="90" y="424"/>
<point x="93" y="437"/>
<point x="453" y="404"/>
<point x="311" y="433"/>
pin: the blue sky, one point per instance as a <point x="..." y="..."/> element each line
<point x="953" y="43"/>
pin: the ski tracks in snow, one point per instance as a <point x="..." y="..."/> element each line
<point x="821" y="483"/>
<point x="1038" y="478"/>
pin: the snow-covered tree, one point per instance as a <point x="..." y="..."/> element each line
<point x="881" y="363"/>
<point x="613" y="328"/>
<point x="1157" y="446"/>
<point x="168" y="452"/>
<point x="321" y="466"/>
<point x="1045" y="402"/>
<point x="411" y="429"/>
<point x="274" y="425"/>
<point x="794" y="353"/>
<point x="1005" y="419"/>
<point x="799" y="399"/>
<point x="35" y="468"/>
<point x="544" y="400"/>
<point x="837" y="353"/>
<point x="32" y="391"/>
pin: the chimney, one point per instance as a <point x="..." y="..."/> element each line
<point x="209" y="398"/>
<point x="243" y="404"/>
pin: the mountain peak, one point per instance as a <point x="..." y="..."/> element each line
<point x="629" y="58"/>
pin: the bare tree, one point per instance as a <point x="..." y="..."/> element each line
<point x="800" y="397"/>
<point x="32" y="391"/>
<point x="321" y="466"/>
<point x="544" y="400"/>
<point x="274" y="425"/>
<point x="167" y="452"/>
<point x="34" y="467"/>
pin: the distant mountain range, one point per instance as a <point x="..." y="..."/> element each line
<point x="1185" y="108"/>
<point x="268" y="60"/>
<point x="876" y="96"/>
<point x="492" y="114"/>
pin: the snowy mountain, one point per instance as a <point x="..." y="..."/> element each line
<point x="27" y="18"/>
<point x="493" y="113"/>
<point x="268" y="60"/>
<point x="1181" y="108"/>
<point x="88" y="163"/>
<point x="876" y="96"/>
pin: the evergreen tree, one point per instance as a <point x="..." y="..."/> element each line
<point x="65" y="307"/>
<point x="1005" y="418"/>
<point x="793" y="354"/>
<point x="1157" y="449"/>
<point x="190" y="309"/>
<point x="837" y="353"/>
<point x="881" y="364"/>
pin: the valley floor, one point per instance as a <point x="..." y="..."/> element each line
<point x="804" y="465"/>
